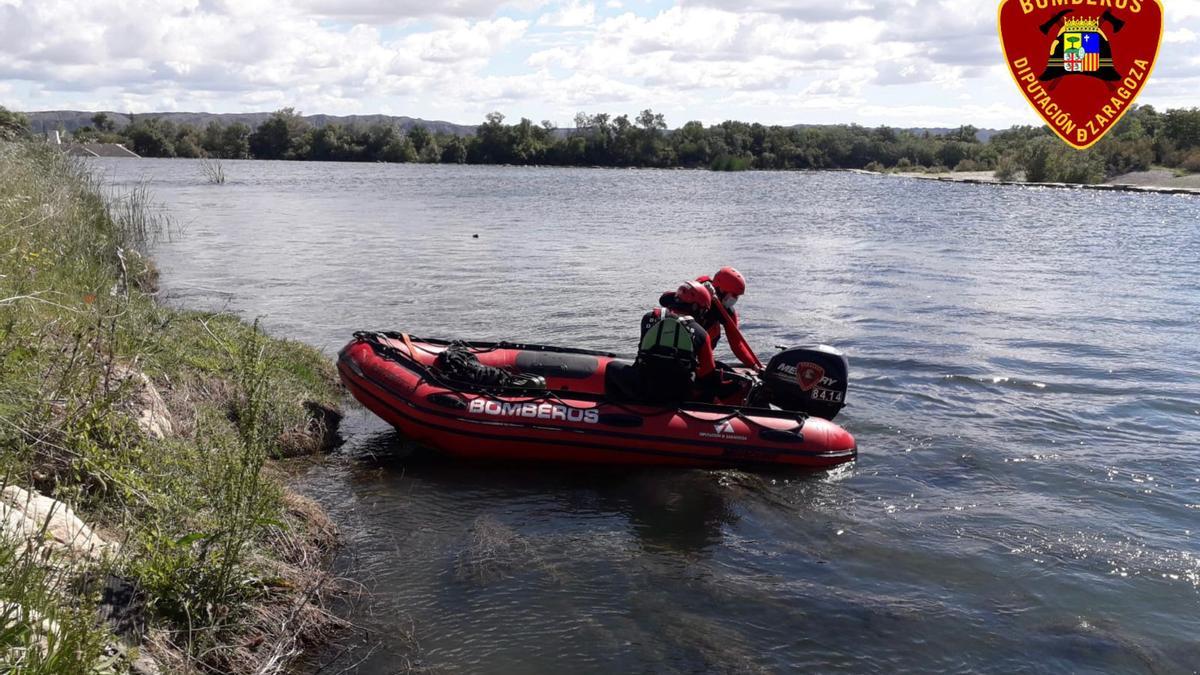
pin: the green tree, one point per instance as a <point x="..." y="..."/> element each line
<point x="493" y="144"/>
<point x="375" y="140"/>
<point x="235" y="141"/>
<point x="103" y="123"/>
<point x="431" y="153"/>
<point x="151" y="137"/>
<point x="275" y="138"/>
<point x="399" y="149"/>
<point x="419" y="136"/>
<point x="1182" y="128"/>
<point x="454" y="151"/>
<point x="691" y="145"/>
<point x="189" y="142"/>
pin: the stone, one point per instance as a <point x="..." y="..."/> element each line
<point x="35" y="518"/>
<point x="146" y="404"/>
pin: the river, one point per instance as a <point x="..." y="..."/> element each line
<point x="1024" y="390"/>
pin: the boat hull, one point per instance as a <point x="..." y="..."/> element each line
<point x="572" y="420"/>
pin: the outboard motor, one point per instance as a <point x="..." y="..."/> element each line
<point x="808" y="379"/>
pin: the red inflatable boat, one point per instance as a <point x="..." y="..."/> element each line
<point x="564" y="408"/>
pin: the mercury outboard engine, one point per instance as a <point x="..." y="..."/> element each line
<point x="808" y="379"/>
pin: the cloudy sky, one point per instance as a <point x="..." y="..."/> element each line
<point x="897" y="62"/>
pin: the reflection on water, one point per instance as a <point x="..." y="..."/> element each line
<point x="679" y="511"/>
<point x="1023" y="389"/>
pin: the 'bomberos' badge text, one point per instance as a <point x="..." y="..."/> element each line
<point x="1081" y="63"/>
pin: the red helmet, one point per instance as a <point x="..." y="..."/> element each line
<point x="694" y="293"/>
<point x="729" y="280"/>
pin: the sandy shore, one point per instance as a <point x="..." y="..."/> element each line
<point x="1156" y="180"/>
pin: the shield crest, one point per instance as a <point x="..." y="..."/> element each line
<point x="1082" y="46"/>
<point x="809" y="375"/>
<point x="1083" y="67"/>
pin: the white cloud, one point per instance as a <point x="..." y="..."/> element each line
<point x="386" y="11"/>
<point x="573" y="14"/>
<point x="1180" y="36"/>
<point x="786" y="61"/>
<point x="173" y="52"/>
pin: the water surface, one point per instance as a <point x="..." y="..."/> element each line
<point x="1023" y="389"/>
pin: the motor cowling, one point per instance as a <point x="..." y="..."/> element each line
<point x="811" y="380"/>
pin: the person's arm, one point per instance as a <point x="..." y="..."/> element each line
<point x="704" y="353"/>
<point x="737" y="342"/>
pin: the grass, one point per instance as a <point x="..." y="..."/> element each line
<point x="206" y="534"/>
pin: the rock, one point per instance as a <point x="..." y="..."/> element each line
<point x="43" y="521"/>
<point x="122" y="604"/>
<point x="144" y="664"/>
<point x="146" y="404"/>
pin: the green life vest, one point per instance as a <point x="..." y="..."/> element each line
<point x="669" y="340"/>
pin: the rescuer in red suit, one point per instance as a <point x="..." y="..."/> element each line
<point x="726" y="286"/>
<point x="675" y="359"/>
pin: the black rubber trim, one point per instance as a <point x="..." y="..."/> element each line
<point x="566" y="366"/>
<point x="621" y="420"/>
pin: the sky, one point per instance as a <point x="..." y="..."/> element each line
<point x="896" y="62"/>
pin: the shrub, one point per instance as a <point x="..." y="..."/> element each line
<point x="967" y="165"/>
<point x="875" y="166"/>
<point x="1007" y="168"/>
<point x="1036" y="160"/>
<point x="730" y="163"/>
<point x="13" y="125"/>
<point x="1191" y="162"/>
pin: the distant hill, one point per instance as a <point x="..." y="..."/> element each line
<point x="70" y="120"/>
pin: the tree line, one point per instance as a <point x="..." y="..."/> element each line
<point x="1143" y="138"/>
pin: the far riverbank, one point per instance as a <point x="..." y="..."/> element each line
<point x="1164" y="181"/>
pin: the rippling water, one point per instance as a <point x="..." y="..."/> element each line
<point x="1024" y="390"/>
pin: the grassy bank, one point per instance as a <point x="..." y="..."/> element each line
<point x="157" y="426"/>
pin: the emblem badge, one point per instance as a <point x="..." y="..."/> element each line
<point x="1081" y="68"/>
<point x="725" y="427"/>
<point x="809" y="375"/>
